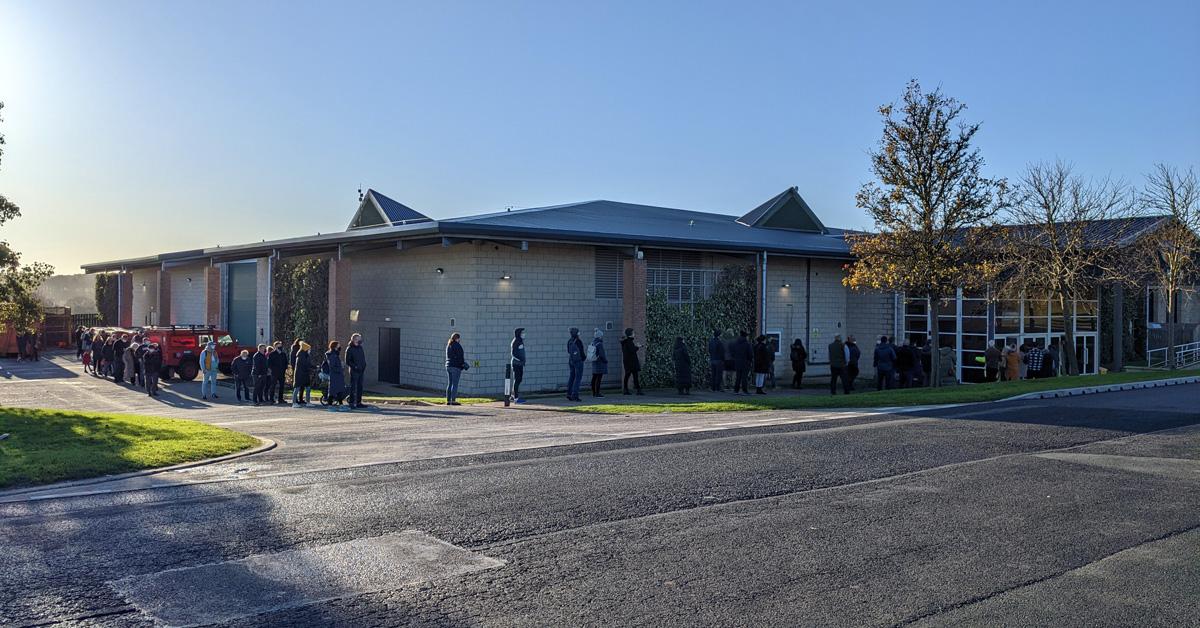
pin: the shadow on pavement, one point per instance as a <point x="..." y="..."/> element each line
<point x="35" y="370"/>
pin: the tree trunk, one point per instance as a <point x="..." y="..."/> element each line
<point x="1068" y="350"/>
<point x="1170" y="300"/>
<point x="935" y="373"/>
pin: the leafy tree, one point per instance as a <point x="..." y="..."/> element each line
<point x="19" y="307"/>
<point x="928" y="198"/>
<point x="1174" y="248"/>
<point x="1065" y="241"/>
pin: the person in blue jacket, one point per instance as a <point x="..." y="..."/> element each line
<point x="884" y="362"/>
<point x="599" y="360"/>
<point x="576" y="355"/>
<point x="517" y="350"/>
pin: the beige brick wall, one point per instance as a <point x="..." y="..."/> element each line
<point x="188" y="301"/>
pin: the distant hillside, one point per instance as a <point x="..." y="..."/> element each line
<point x="77" y="292"/>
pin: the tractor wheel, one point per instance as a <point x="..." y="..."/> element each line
<point x="188" y="370"/>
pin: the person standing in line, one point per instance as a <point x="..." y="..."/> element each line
<point x="356" y="360"/>
<point x="1012" y="362"/>
<point x="1050" y="367"/>
<point x="127" y="357"/>
<point x="277" y="363"/>
<point x="301" y="375"/>
<point x="762" y="364"/>
<point x="853" y="355"/>
<point x="716" y="362"/>
<point x="209" y="361"/>
<point x="85" y="349"/>
<point x="1033" y="361"/>
<point x="904" y="361"/>
<point x="630" y="363"/>
<point x="599" y="359"/>
<point x="926" y="355"/>
<point x="799" y="358"/>
<point x="97" y="354"/>
<point x="576" y="356"/>
<point x="1023" y="364"/>
<point x="837" y="365"/>
<point x="22" y="346"/>
<point x="78" y="338"/>
<point x="152" y="364"/>
<point x="243" y="376"/>
<point x="292" y="351"/>
<point x="773" y="349"/>
<point x="884" y="362"/>
<point x="743" y="361"/>
<point x="259" y="374"/>
<point x="516" y="350"/>
<point x="683" y="367"/>
<point x="991" y="361"/>
<point x="119" y="346"/>
<point x="334" y="370"/>
<point x="456" y="363"/>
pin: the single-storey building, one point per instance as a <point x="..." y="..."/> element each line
<point x="406" y="282"/>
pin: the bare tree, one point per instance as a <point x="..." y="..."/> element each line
<point x="928" y="195"/>
<point x="1068" y="237"/>
<point x="1173" y="248"/>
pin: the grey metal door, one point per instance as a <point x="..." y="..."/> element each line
<point x="389" y="355"/>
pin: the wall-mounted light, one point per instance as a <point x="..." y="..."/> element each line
<point x="786" y="285"/>
<point x="505" y="276"/>
<point x="189" y="279"/>
<point x="143" y="286"/>
<point x="439" y="270"/>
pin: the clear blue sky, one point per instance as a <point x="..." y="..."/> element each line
<point x="218" y="122"/>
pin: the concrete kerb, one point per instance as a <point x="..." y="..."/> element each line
<point x="1091" y="390"/>
<point x="265" y="444"/>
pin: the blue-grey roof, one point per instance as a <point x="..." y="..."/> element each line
<point x="394" y="210"/>
<point x="612" y="222"/>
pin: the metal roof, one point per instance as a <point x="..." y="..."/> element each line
<point x="394" y="210"/>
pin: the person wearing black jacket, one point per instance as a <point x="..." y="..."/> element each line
<point x="683" y="367"/>
<point x="743" y="361"/>
<point x="277" y="363"/>
<point x="516" y="352"/>
<point x="904" y="363"/>
<point x="716" y="362"/>
<point x="852" y="361"/>
<point x="243" y="378"/>
<point x="799" y="358"/>
<point x="356" y="361"/>
<point x="260" y="374"/>
<point x="576" y="358"/>
<point x="118" y="363"/>
<point x="456" y="363"/>
<point x="139" y="358"/>
<point x="301" y="375"/>
<point x="152" y="362"/>
<point x="630" y="362"/>
<point x="762" y="364"/>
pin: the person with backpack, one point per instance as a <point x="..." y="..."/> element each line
<point x="576" y="357"/>
<point x="516" y="351"/>
<point x="456" y="363"/>
<point x="599" y="360"/>
<point x="716" y="362"/>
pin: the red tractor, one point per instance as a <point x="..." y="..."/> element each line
<point x="181" y="346"/>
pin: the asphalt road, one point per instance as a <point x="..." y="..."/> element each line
<point x="1072" y="512"/>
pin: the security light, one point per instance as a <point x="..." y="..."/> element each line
<point x="506" y="276"/>
<point x="786" y="285"/>
<point x="439" y="270"/>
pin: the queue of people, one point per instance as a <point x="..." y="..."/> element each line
<point x="126" y="359"/>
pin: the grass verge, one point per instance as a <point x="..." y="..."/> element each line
<point x="436" y="400"/>
<point x="967" y="393"/>
<point x="50" y="445"/>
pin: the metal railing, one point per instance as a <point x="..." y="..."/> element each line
<point x="1185" y="355"/>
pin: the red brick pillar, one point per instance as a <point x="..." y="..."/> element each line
<point x="125" y="299"/>
<point x="340" y="273"/>
<point x="164" y="297"/>
<point x="212" y="296"/>
<point x="633" y="303"/>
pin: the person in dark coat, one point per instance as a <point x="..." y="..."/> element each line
<point x="97" y="354"/>
<point x="356" y="362"/>
<point x="762" y="364"/>
<point x="683" y="367"/>
<point x="925" y="354"/>
<point x="837" y="365"/>
<point x="456" y="363"/>
<point x="630" y="363"/>
<point x="600" y="363"/>
<point x="109" y="356"/>
<point x="743" y="361"/>
<point x="884" y="361"/>
<point x="152" y="363"/>
<point x="277" y="363"/>
<point x="118" y="364"/>
<point x="22" y="347"/>
<point x="799" y="358"/>
<point x="333" y="369"/>
<point x="852" y="360"/>
<point x="904" y="363"/>
<point x="516" y="350"/>
<point x="716" y="362"/>
<point x="301" y="375"/>
<point x="576" y="357"/>
<point x="261" y="374"/>
<point x="242" y="368"/>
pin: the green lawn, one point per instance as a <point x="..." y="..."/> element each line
<point x="371" y="397"/>
<point x="49" y="445"/>
<point x="966" y="393"/>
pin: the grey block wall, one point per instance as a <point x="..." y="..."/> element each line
<point x="187" y="298"/>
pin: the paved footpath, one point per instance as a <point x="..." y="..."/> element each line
<point x="314" y="439"/>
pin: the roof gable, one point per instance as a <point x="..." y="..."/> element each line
<point x="786" y="210"/>
<point x="377" y="210"/>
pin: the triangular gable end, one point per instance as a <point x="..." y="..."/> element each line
<point x="377" y="210"/>
<point x="368" y="215"/>
<point x="787" y="211"/>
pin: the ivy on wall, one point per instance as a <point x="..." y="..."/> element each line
<point x="106" y="298"/>
<point x="300" y="302"/>
<point x="730" y="309"/>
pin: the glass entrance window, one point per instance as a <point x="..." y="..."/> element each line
<point x="1037" y="314"/>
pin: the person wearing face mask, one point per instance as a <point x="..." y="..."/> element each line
<point x="517" y="353"/>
